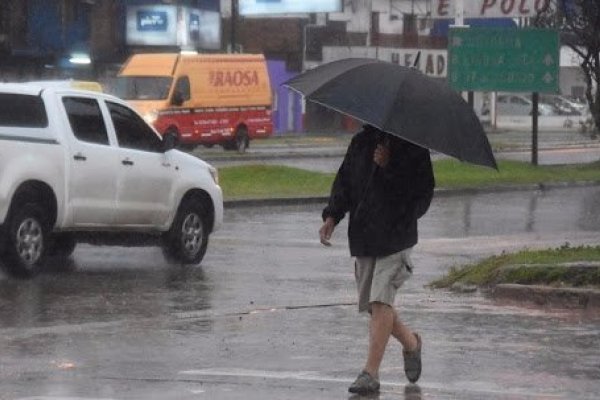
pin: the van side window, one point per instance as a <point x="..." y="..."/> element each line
<point x="183" y="87"/>
<point x="132" y="131"/>
<point x="86" y="119"/>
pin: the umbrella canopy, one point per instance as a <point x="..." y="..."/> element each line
<point x="401" y="101"/>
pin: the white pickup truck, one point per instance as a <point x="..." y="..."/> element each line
<point x="82" y="166"/>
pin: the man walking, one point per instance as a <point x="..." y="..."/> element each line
<point x="386" y="184"/>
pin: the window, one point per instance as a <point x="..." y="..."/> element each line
<point x="132" y="131"/>
<point x="142" y="87"/>
<point x="86" y="119"/>
<point x="22" y="111"/>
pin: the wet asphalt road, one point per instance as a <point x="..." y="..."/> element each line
<point x="271" y="314"/>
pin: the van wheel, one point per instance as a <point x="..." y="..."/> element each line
<point x="186" y="241"/>
<point x="27" y="240"/>
<point x="241" y="140"/>
<point x="180" y="146"/>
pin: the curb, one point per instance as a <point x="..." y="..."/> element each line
<point x="571" y="298"/>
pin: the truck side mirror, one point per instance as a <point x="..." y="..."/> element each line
<point x="177" y="99"/>
<point x="169" y="141"/>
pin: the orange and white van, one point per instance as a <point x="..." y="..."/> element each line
<point x="204" y="99"/>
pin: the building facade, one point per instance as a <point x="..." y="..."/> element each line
<point x="90" y="39"/>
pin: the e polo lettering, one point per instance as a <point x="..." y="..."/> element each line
<point x="491" y="8"/>
<point x="508" y="7"/>
<point x="233" y="78"/>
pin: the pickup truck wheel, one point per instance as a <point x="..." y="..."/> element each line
<point x="61" y="245"/>
<point x="186" y="241"/>
<point x="27" y="240"/>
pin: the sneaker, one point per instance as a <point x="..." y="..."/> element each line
<point x="364" y="384"/>
<point x="412" y="361"/>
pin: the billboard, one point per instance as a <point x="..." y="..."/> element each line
<point x="490" y="8"/>
<point x="203" y="29"/>
<point x="151" y="25"/>
<point x="164" y="25"/>
<point x="256" y="7"/>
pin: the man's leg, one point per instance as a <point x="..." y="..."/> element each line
<point x="384" y="322"/>
<point x="403" y="334"/>
<point x="380" y="329"/>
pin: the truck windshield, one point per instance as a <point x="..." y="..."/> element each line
<point x="142" y="87"/>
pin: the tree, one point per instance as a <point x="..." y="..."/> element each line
<point x="579" y="24"/>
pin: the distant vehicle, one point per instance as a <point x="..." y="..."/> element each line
<point x="204" y="99"/>
<point x="516" y="104"/>
<point x="580" y="106"/>
<point x="563" y="105"/>
<point x="82" y="166"/>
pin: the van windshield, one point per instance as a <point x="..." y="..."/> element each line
<point x="142" y="87"/>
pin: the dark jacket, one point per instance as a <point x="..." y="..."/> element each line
<point x="384" y="203"/>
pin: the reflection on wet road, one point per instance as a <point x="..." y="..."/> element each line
<point x="271" y="314"/>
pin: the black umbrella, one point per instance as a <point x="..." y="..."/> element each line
<point x="401" y="101"/>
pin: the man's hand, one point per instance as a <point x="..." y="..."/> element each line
<point x="326" y="231"/>
<point x="381" y="156"/>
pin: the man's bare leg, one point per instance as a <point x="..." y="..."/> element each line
<point x="380" y="329"/>
<point x="385" y="322"/>
<point x="403" y="334"/>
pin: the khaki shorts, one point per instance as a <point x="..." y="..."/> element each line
<point x="378" y="279"/>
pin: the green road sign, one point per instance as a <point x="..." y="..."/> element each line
<point x="503" y="59"/>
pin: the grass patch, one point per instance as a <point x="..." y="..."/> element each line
<point x="545" y="267"/>
<point x="266" y="181"/>
<point x="452" y="174"/>
<point x="273" y="181"/>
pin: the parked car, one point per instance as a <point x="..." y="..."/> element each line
<point x="563" y="105"/>
<point x="517" y="104"/>
<point x="80" y="165"/>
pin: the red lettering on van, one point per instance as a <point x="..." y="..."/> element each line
<point x="233" y="78"/>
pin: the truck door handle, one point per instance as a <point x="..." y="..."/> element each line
<point x="79" y="157"/>
<point x="127" y="162"/>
